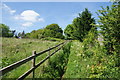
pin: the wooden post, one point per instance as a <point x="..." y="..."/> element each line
<point x="49" y="57"/>
<point x="33" y="63"/>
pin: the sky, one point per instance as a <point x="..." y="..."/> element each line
<point x="55" y="0"/>
<point x="30" y="16"/>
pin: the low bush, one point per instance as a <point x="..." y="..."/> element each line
<point x="57" y="64"/>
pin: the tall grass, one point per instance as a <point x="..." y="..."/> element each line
<point x="14" y="50"/>
<point x="75" y="60"/>
<point x="57" y="64"/>
<point x="92" y="62"/>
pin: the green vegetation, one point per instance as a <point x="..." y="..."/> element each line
<point x="52" y="30"/>
<point x="14" y="50"/>
<point x="110" y="27"/>
<point x="58" y="64"/>
<point x="38" y="34"/>
<point x="91" y="54"/>
<point x="80" y="26"/>
<point x="92" y="63"/>
<point x="95" y="59"/>
<point x="5" y="31"/>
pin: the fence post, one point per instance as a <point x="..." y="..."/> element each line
<point x="33" y="63"/>
<point x="49" y="57"/>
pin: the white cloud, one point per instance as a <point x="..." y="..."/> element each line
<point x="8" y="9"/>
<point x="29" y="15"/>
<point x="27" y="24"/>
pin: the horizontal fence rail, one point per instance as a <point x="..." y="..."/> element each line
<point x="23" y="61"/>
<point x="29" y="71"/>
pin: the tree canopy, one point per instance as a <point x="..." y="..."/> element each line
<point x="37" y="34"/>
<point x="110" y="26"/>
<point x="80" y="26"/>
<point x="5" y="31"/>
<point x="53" y="30"/>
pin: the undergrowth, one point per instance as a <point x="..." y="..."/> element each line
<point x="57" y="64"/>
<point x="89" y="59"/>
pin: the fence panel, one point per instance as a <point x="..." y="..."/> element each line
<point x="34" y="55"/>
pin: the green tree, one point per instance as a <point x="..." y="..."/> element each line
<point x="5" y="31"/>
<point x="80" y="26"/>
<point x="110" y="25"/>
<point x="110" y="29"/>
<point x="53" y="30"/>
<point x="37" y="34"/>
<point x="40" y="33"/>
<point x="34" y="34"/>
<point x="69" y="31"/>
<point x="27" y="35"/>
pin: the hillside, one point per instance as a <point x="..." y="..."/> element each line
<point x="14" y="50"/>
<point x="83" y="42"/>
<point x="90" y="63"/>
<point x="73" y="61"/>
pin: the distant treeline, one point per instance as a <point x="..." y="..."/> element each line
<point x="77" y="30"/>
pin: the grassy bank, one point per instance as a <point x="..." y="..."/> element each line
<point x="74" y="60"/>
<point x="14" y="50"/>
<point x="91" y="63"/>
